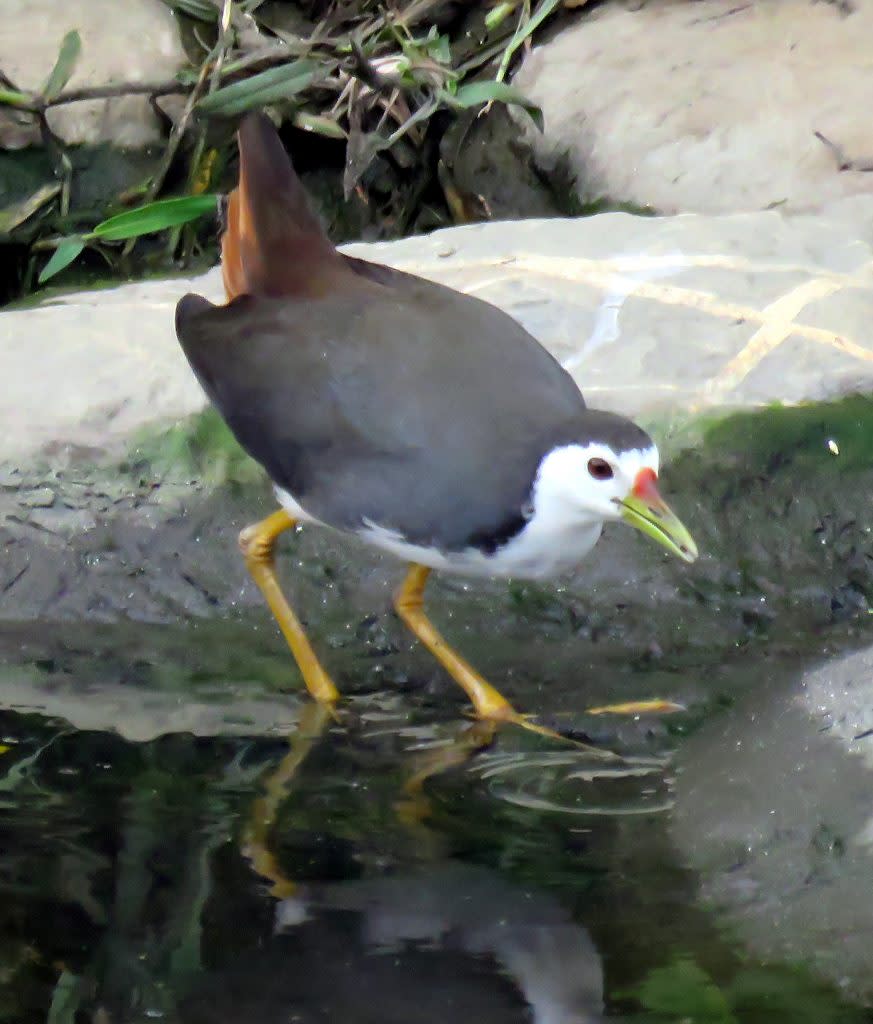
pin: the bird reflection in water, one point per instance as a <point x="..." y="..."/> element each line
<point x="440" y="941"/>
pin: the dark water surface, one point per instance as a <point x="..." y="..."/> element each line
<point x="171" y="850"/>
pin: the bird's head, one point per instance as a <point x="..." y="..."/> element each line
<point x="611" y="474"/>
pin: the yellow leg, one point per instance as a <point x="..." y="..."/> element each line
<point x="415" y="807"/>
<point x="256" y="543"/>
<point x="488" y="703"/>
<point x="313" y="724"/>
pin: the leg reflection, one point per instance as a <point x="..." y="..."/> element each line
<point x="412" y="808"/>
<point x="312" y="726"/>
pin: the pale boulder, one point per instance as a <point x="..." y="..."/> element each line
<point x="661" y="318"/>
<point x="709" y="107"/>
<point x="122" y="41"/>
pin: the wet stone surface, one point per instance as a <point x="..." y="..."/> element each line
<point x="661" y="318"/>
<point x="183" y="838"/>
<point x="179" y="840"/>
<point x="301" y="875"/>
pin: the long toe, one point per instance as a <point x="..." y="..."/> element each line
<point x="530" y="724"/>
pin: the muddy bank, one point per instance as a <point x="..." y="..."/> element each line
<point x="777" y="500"/>
<point x="786" y="568"/>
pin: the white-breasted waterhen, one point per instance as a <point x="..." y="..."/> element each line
<point x="426" y="422"/>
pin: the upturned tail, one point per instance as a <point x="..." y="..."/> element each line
<point x="272" y="243"/>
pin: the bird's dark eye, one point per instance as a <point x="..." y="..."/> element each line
<point x="600" y="469"/>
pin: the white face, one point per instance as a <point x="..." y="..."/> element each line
<point x="587" y="482"/>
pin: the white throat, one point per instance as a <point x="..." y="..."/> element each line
<point x="569" y="508"/>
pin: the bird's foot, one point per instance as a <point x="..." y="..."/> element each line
<point x="638" y="707"/>
<point x="507" y="715"/>
<point x="634" y="707"/>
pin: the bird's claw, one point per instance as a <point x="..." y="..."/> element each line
<point x="638" y="707"/>
<point x="509" y="716"/>
<point x="529" y="723"/>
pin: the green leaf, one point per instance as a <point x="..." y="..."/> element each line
<point x="15" y="98"/>
<point x="66" y="999"/>
<point x="440" y="50"/>
<point x="683" y="990"/>
<point x="319" y="123"/>
<point x="497" y="15"/>
<point x="144" y="220"/>
<point x="71" y="47"/>
<point x="68" y="249"/>
<point x="267" y="87"/>
<point x="17" y="213"/>
<point x="542" y="12"/>
<point x="476" y="93"/>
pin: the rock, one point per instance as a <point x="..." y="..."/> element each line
<point x="707" y="107"/>
<point x="773" y="811"/>
<point x="41" y="497"/>
<point x="675" y="320"/>
<point x="91" y="699"/>
<point x="134" y="41"/>
<point x="491" y="166"/>
<point x="63" y="521"/>
<point x="661" y="318"/>
<point x="117" y="345"/>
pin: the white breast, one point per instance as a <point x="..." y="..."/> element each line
<point x="535" y="553"/>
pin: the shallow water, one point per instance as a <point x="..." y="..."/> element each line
<point x="189" y="856"/>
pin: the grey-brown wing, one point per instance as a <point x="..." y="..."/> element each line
<point x="270" y="386"/>
<point x="425" y="411"/>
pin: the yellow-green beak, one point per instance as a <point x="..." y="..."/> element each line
<point x="645" y="509"/>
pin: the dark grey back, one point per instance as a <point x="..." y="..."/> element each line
<point x="410" y="405"/>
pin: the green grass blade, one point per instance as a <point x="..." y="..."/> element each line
<point x="14" y="98"/>
<point x="320" y="124"/>
<point x="266" y="87"/>
<point x="65" y="65"/>
<point x="66" y="999"/>
<point x="476" y="93"/>
<point x="497" y="15"/>
<point x="68" y="249"/>
<point x="144" y="220"/>
<point x="15" y="214"/>
<point x="542" y="12"/>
